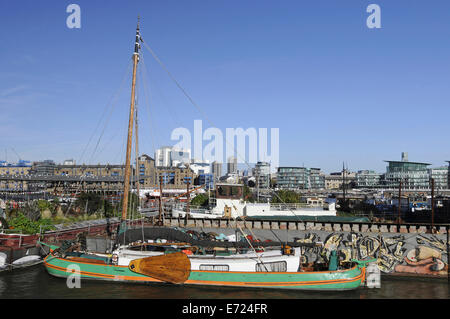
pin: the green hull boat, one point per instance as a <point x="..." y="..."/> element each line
<point x="205" y="271"/>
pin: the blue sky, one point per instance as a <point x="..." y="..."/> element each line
<point x="337" y="90"/>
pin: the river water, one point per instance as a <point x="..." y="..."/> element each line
<point x="35" y="283"/>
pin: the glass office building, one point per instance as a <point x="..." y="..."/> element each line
<point x="448" y="175"/>
<point x="207" y="180"/>
<point x="262" y="174"/>
<point x="367" y="179"/>
<point x="413" y="175"/>
<point x="440" y="176"/>
<point x="294" y="178"/>
<point x="316" y="179"/>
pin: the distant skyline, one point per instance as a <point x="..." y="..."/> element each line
<point x="337" y="90"/>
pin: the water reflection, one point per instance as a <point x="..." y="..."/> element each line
<point x="35" y="282"/>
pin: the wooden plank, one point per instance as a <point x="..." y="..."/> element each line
<point x="86" y="260"/>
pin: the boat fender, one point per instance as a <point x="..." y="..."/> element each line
<point x="115" y="259"/>
<point x="333" y="263"/>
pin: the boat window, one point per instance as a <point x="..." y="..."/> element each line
<point x="149" y="248"/>
<point x="278" y="266"/>
<point x="215" y="267"/>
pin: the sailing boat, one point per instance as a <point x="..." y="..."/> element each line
<point x="184" y="263"/>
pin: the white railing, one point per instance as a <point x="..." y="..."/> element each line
<point x="294" y="206"/>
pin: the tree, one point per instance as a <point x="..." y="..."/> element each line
<point x="286" y="196"/>
<point x="248" y="194"/>
<point x="132" y="211"/>
<point x="44" y="204"/>
<point x="200" y="200"/>
<point x="89" y="202"/>
<point x="27" y="226"/>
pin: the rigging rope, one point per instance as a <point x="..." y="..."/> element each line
<point x="106" y="123"/>
<point x="113" y="97"/>
<point x="204" y="115"/>
<point x="160" y="94"/>
<point x="148" y="104"/>
<point x="111" y="103"/>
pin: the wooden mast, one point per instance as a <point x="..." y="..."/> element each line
<point x="138" y="169"/>
<point x="126" y="187"/>
<point x="160" y="222"/>
<point x="432" y="205"/>
<point x="399" y="204"/>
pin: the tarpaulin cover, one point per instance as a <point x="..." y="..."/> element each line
<point x="195" y="238"/>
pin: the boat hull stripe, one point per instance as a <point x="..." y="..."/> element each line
<point x="140" y="278"/>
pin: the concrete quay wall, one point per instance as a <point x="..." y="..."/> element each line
<point x="297" y="225"/>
